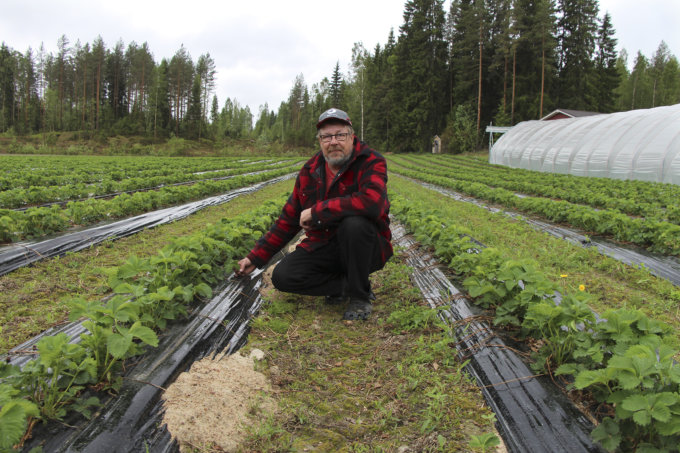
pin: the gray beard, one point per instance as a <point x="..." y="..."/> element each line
<point x="339" y="161"/>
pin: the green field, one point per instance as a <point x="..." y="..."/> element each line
<point x="642" y="310"/>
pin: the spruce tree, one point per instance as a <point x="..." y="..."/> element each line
<point x="420" y="89"/>
<point x="336" y="87"/>
<point x="608" y="77"/>
<point x="533" y="59"/>
<point x="577" y="32"/>
<point x="669" y="92"/>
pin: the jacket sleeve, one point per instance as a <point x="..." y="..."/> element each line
<point x="283" y="230"/>
<point x="369" y="200"/>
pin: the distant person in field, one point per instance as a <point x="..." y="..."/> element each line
<point x="340" y="201"/>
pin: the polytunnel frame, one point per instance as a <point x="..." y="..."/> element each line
<point x="646" y="145"/>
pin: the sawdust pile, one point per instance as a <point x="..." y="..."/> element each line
<point x="210" y="404"/>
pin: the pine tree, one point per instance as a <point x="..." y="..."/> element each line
<point x="162" y="112"/>
<point x="205" y="69"/>
<point x="498" y="54"/>
<point x="99" y="59"/>
<point x="28" y="115"/>
<point x="214" y="117"/>
<point x="194" y="114"/>
<point x="622" y="98"/>
<point x="380" y="95"/>
<point x="116" y="80"/>
<point x="7" y="74"/>
<point x="180" y="79"/>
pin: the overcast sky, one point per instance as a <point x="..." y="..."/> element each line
<point x="260" y="46"/>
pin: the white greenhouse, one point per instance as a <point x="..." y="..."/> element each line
<point x="639" y="144"/>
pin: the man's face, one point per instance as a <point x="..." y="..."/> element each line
<point x="335" y="151"/>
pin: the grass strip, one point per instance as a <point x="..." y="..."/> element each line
<point x="392" y="382"/>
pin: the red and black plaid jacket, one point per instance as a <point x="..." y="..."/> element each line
<point x="359" y="188"/>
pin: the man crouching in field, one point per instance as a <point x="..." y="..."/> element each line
<point x="340" y="200"/>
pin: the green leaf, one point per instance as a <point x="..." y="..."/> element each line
<point x="13" y="421"/>
<point x="164" y="293"/>
<point x="484" y="441"/>
<point x="670" y="427"/>
<point x="635" y="403"/>
<point x="203" y="290"/>
<point x="83" y="406"/>
<point x="590" y="377"/>
<point x="607" y="434"/>
<point x="51" y="348"/>
<point x="118" y="345"/>
<point x="642" y="418"/>
<point x="143" y="333"/>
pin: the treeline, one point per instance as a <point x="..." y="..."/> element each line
<point x="447" y="73"/>
<point x="114" y="91"/>
<point x="451" y="73"/>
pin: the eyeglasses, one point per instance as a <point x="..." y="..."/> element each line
<point x="341" y="137"/>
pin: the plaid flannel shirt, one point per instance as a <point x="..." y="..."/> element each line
<point x="359" y="188"/>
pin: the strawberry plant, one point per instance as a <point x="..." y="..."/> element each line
<point x="654" y="232"/>
<point x="624" y="361"/>
<point x="15" y="412"/>
<point x="35" y="222"/>
<point x="54" y="379"/>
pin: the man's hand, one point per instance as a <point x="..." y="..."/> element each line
<point x="306" y="219"/>
<point x="245" y="267"/>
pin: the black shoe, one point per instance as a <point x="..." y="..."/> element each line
<point x="358" y="309"/>
<point x="335" y="300"/>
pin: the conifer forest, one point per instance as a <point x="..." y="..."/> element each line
<point x="442" y="72"/>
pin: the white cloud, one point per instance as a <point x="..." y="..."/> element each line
<point x="260" y="46"/>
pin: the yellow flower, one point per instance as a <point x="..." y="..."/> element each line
<point x="581" y="287"/>
<point x="564" y="275"/>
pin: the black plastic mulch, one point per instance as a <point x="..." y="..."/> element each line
<point x="132" y="421"/>
<point x="22" y="254"/>
<point x="666" y="267"/>
<point x="532" y="413"/>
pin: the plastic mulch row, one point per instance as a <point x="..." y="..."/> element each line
<point x="132" y="420"/>
<point x="22" y="254"/>
<point x="666" y="267"/>
<point x="532" y="413"/>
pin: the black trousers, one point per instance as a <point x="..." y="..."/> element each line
<point x="340" y="267"/>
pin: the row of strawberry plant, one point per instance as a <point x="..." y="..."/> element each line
<point x="147" y="293"/>
<point x="660" y="205"/>
<point x="36" y="195"/>
<point x="655" y="193"/>
<point x="624" y="361"/>
<point x="32" y="171"/>
<point x="40" y="221"/>
<point x="657" y="236"/>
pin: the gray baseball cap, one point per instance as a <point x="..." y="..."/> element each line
<point x="335" y="114"/>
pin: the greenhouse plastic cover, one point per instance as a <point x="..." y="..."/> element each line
<point x="638" y="144"/>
